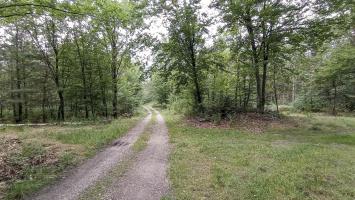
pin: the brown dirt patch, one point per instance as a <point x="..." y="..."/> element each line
<point x="10" y="144"/>
<point x="13" y="161"/>
<point x="249" y="122"/>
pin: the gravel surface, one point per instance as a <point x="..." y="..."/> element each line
<point x="147" y="179"/>
<point x="77" y="180"/>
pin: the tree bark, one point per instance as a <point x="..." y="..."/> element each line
<point x="44" y="98"/>
<point x="255" y="63"/>
<point x="275" y="91"/>
<point x="198" y="94"/>
<point x="334" y="111"/>
<point x="114" y="74"/>
<point x="83" y="76"/>
<point x="18" y="79"/>
<point x="103" y="91"/>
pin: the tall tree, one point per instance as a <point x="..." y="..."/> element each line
<point x="184" y="48"/>
<point x="266" y="27"/>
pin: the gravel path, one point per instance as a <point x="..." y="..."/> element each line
<point x="79" y="179"/>
<point x="147" y="179"/>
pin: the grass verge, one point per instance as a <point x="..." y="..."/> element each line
<point x="314" y="160"/>
<point x="32" y="157"/>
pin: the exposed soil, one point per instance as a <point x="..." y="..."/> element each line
<point x="10" y="144"/>
<point x="77" y="180"/>
<point x="147" y="179"/>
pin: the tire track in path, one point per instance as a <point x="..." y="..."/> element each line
<point x="147" y="178"/>
<point x="80" y="178"/>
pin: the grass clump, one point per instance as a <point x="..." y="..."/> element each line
<point x="94" y="139"/>
<point x="143" y="139"/>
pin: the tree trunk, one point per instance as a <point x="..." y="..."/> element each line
<point x="197" y="91"/>
<point x="18" y="79"/>
<point x="91" y="96"/>
<point x="293" y="89"/>
<point x="198" y="94"/>
<point x="247" y="97"/>
<point x="83" y="76"/>
<point x="237" y="91"/>
<point x="265" y="48"/>
<point x="255" y="64"/>
<point x="61" y="106"/>
<point x="1" y="107"/>
<point x="114" y="74"/>
<point x="275" y="91"/>
<point x="263" y="88"/>
<point x="44" y="98"/>
<point x="103" y="91"/>
<point x="334" y="111"/>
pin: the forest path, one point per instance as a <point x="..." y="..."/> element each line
<point x="147" y="178"/>
<point x="80" y="178"/>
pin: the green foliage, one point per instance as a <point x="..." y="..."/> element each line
<point x="331" y="83"/>
<point x="65" y="59"/>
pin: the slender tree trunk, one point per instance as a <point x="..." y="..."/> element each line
<point x="60" y="92"/>
<point x="91" y="96"/>
<point x="103" y="91"/>
<point x="334" y="111"/>
<point x="18" y="79"/>
<point x="275" y="91"/>
<point x="246" y="102"/>
<point x="83" y="76"/>
<point x="1" y="108"/>
<point x="25" y="100"/>
<point x="12" y="96"/>
<point x="18" y="92"/>
<point x="263" y="88"/>
<point x="44" y="98"/>
<point x="114" y="74"/>
<point x="237" y="91"/>
<point x="293" y="89"/>
<point x="61" y="106"/>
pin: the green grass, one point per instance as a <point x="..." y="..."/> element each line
<point x="143" y="139"/>
<point x="69" y="144"/>
<point x="94" y="139"/>
<point x="312" y="161"/>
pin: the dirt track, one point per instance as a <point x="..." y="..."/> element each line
<point x="147" y="179"/>
<point x="77" y="180"/>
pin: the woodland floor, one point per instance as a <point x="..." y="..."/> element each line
<point x="250" y="157"/>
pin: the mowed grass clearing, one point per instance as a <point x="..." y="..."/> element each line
<point x="32" y="157"/>
<point x="315" y="159"/>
